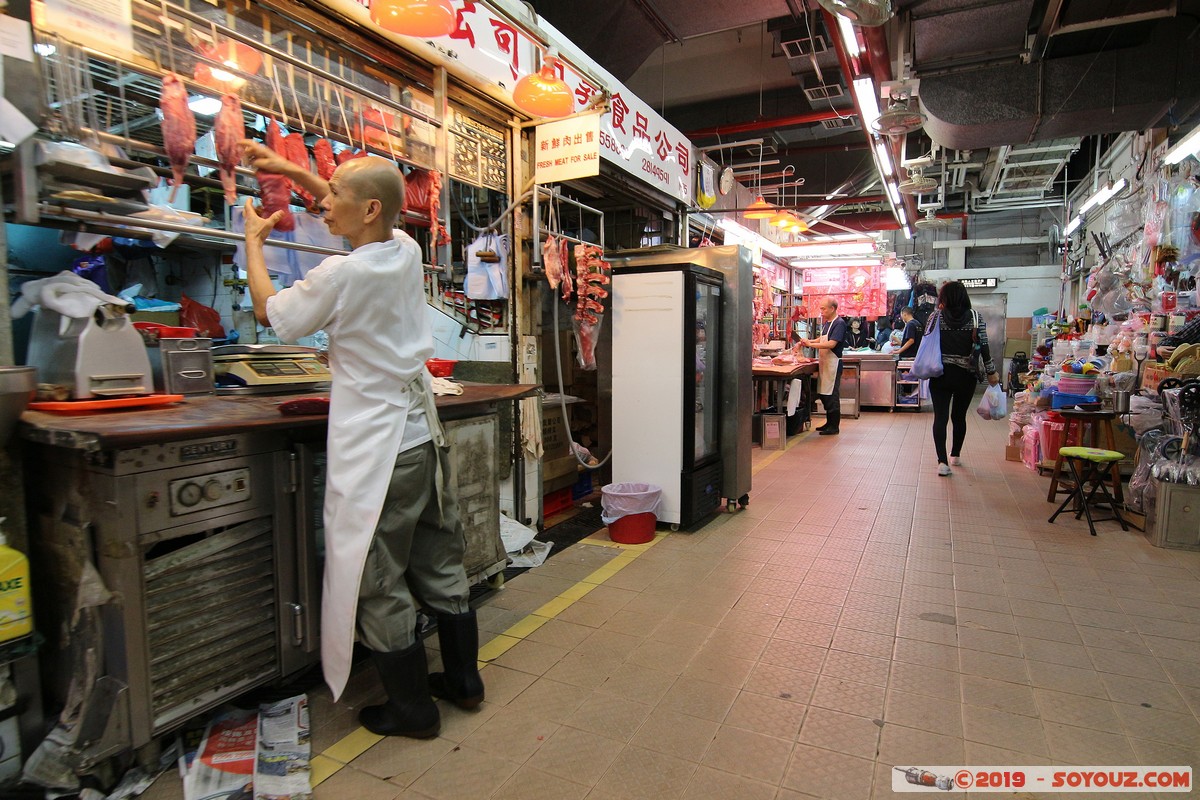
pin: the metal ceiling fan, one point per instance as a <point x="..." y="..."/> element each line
<point x="931" y="221"/>
<point x="917" y="182"/>
<point x="900" y="118"/>
<point x="867" y="13"/>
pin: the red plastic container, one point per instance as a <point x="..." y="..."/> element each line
<point x="441" y="367"/>
<point x="556" y="501"/>
<point x="633" y="529"/>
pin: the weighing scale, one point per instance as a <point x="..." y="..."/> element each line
<point x="268" y="369"/>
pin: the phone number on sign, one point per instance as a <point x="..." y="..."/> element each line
<point x="1043" y="779"/>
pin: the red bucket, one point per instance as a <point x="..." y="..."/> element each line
<point x="633" y="529"/>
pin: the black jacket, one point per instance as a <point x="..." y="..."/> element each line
<point x="961" y="331"/>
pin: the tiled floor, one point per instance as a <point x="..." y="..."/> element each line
<point x="861" y="613"/>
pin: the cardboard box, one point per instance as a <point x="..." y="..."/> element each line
<point x="1012" y="452"/>
<point x="1153" y="374"/>
<point x="774" y="431"/>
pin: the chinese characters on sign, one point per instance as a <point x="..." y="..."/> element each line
<point x="567" y="149"/>
<point x="979" y="283"/>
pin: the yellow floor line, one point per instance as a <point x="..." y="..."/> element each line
<point x="360" y="740"/>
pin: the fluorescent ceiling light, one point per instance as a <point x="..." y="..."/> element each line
<point x="900" y="212"/>
<point x="849" y="40"/>
<point x="884" y="158"/>
<point x="868" y="102"/>
<point x="893" y="193"/>
<point x="205" y="106"/>
<point x="44" y="50"/>
<point x="741" y="234"/>
<point x="1187" y="146"/>
<point x="832" y="249"/>
<point x="835" y="262"/>
<point x="1103" y="196"/>
<point x="1072" y="225"/>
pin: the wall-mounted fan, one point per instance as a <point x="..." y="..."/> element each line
<point x="917" y="183"/>
<point x="867" y="13"/>
<point x="900" y="118"/>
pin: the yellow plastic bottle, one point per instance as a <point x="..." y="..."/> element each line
<point x="16" y="612"/>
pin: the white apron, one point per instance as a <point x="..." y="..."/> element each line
<point x="827" y="363"/>
<point x="368" y="413"/>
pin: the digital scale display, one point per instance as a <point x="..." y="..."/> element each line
<point x="276" y="369"/>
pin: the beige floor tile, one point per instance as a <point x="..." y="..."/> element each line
<point x="1002" y="729"/>
<point x="736" y="643"/>
<point x="924" y="713"/>
<point x="552" y="700"/>
<point x="530" y="656"/>
<point x="641" y="773"/>
<point x="751" y="755"/>
<point x="610" y="716"/>
<point x="701" y="699"/>
<point x="562" y="634"/>
<point x="850" y="697"/>
<point x="993" y="665"/>
<point x="900" y="745"/>
<point x="463" y="772"/>
<point x="581" y="669"/>
<point x="529" y="783"/>
<point x="842" y="733"/>
<point x="676" y="734"/>
<point x="1074" y="709"/>
<point x="857" y="667"/>
<point x="1136" y="691"/>
<point x="349" y="782"/>
<point x="726" y="670"/>
<point x="513" y="733"/>
<point x="760" y="713"/>
<point x="713" y="784"/>
<point x="1071" y="745"/>
<point x="1159" y="725"/>
<point x="576" y="755"/>
<point x="1014" y="698"/>
<point x="608" y="643"/>
<point x="822" y="773"/>
<point x="793" y="685"/>
<point x="458" y="724"/>
<point x="401" y="761"/>
<point x="502" y="684"/>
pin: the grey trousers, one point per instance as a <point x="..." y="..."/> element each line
<point x="415" y="558"/>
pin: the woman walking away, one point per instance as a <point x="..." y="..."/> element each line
<point x="964" y="340"/>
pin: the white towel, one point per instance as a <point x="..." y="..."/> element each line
<point x="66" y="293"/>
<point x="793" y="396"/>
<point x="446" y="386"/>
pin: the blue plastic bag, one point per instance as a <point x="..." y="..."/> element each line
<point x="928" y="361"/>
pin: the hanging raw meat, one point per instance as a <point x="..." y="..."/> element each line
<point x="297" y="153"/>
<point x="323" y="155"/>
<point x="348" y="154"/>
<point x="439" y="234"/>
<point x="552" y="261"/>
<point x="564" y="258"/>
<point x="229" y="129"/>
<point x="591" y="275"/>
<point x="276" y="190"/>
<point x="178" y="128"/>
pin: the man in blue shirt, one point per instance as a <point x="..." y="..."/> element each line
<point x="910" y="340"/>
<point x="829" y="353"/>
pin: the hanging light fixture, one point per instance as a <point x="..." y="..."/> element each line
<point x="780" y="219"/>
<point x="759" y="209"/>
<point x="543" y="93"/>
<point x="797" y="225"/>
<point x="415" y="17"/>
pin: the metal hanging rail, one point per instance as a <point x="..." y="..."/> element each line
<point x="288" y="58"/>
<point x="555" y="195"/>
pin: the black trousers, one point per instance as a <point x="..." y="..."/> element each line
<point x="833" y="402"/>
<point x="951" y="394"/>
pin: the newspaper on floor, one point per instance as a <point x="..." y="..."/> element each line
<point x="262" y="755"/>
<point x="283" y="771"/>
<point x="522" y="549"/>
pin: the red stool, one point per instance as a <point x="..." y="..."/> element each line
<point x="1077" y="425"/>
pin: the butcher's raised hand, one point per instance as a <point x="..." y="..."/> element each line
<point x="260" y="157"/>
<point x="258" y="228"/>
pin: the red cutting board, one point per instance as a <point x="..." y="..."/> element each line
<point x="112" y="403"/>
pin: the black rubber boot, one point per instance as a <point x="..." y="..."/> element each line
<point x="460" y="683"/>
<point x="409" y="710"/>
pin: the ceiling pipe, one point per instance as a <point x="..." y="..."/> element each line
<point x="868" y="222"/>
<point x="765" y="124"/>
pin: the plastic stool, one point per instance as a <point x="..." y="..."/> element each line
<point x="1101" y="468"/>
<point x="1078" y="423"/>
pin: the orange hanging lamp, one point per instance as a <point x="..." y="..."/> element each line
<point x="415" y="17"/>
<point x="543" y="93"/>
<point x="780" y="219"/>
<point x="759" y="209"/>
<point x="796" y="225"/>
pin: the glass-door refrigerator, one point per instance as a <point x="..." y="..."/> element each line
<point x="666" y="379"/>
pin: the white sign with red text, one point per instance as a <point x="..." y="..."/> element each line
<point x="632" y="135"/>
<point x="567" y="149"/>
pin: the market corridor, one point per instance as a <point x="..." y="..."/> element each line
<point x="861" y="613"/>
